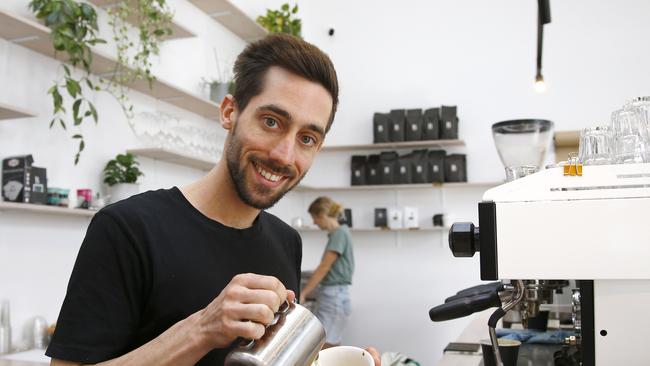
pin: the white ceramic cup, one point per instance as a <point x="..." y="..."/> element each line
<point x="344" y="355"/>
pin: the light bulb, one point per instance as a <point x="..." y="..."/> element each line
<point x="540" y="85"/>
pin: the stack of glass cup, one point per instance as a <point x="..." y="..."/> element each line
<point x="162" y="130"/>
<point x="625" y="141"/>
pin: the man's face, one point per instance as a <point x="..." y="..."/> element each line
<point x="273" y="141"/>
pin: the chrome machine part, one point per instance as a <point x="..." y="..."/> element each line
<point x="517" y="296"/>
<point x="538" y="292"/>
<point x="576" y="318"/>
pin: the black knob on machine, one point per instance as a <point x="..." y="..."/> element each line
<point x="464" y="239"/>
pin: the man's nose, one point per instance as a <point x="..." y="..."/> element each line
<point x="283" y="152"/>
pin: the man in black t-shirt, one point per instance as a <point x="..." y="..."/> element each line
<point x="173" y="277"/>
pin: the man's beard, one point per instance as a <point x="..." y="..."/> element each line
<point x="238" y="176"/>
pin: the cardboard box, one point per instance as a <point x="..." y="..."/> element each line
<point x="381" y="217"/>
<point x="22" y="182"/>
<point x="14" y="174"/>
<point x="395" y="218"/>
<point x="346" y="217"/>
<point x="38" y="186"/>
<point x="411" y="218"/>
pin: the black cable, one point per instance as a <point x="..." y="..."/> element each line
<point x="543" y="17"/>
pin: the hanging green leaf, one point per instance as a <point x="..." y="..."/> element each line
<point x="75" y="112"/>
<point x="73" y="87"/>
<point x="57" y="100"/>
<point x="75" y="30"/>
<point x="93" y="111"/>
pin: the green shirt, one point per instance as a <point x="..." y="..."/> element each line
<point x="340" y="241"/>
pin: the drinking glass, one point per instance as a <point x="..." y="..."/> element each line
<point x="516" y="172"/>
<point x="596" y="147"/>
<point x="643" y="103"/>
<point x="630" y="134"/>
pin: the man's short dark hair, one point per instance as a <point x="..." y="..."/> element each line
<point x="290" y="53"/>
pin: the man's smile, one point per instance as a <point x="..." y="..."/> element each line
<point x="268" y="174"/>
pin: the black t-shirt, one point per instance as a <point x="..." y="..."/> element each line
<point x="152" y="260"/>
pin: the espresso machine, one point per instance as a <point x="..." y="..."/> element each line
<point x="546" y="231"/>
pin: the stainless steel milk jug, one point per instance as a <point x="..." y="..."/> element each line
<point x="293" y="339"/>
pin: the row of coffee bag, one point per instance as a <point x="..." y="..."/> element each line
<point x="418" y="166"/>
<point x="415" y="125"/>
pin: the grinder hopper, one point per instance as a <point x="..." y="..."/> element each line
<point x="521" y="145"/>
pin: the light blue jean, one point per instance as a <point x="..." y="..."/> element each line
<point x="333" y="310"/>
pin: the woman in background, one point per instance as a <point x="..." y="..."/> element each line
<point x="333" y="276"/>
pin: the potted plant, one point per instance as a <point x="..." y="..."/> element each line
<point x="121" y="175"/>
<point x="218" y="88"/>
<point x="221" y="84"/>
<point x="280" y="21"/>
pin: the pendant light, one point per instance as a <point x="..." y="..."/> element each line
<point x="543" y="17"/>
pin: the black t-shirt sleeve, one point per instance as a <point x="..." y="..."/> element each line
<point x="102" y="307"/>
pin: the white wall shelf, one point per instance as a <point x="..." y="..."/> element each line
<point x="11" y="112"/>
<point x="36" y="37"/>
<point x="395" y="145"/>
<point x="43" y="209"/>
<point x="304" y="188"/>
<point x="178" y="31"/>
<point x="174" y="157"/>
<point x="233" y="18"/>
<point x="377" y="230"/>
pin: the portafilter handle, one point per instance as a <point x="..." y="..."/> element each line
<point x="477" y="290"/>
<point x="464" y="239"/>
<point x="464" y="306"/>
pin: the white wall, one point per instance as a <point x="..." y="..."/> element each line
<point x="476" y="54"/>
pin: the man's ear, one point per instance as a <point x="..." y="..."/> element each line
<point x="228" y="112"/>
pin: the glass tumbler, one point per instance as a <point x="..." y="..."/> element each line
<point x="643" y="103"/>
<point x="630" y="135"/>
<point x="596" y="146"/>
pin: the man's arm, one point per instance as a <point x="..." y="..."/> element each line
<point x="243" y="309"/>
<point x="179" y="345"/>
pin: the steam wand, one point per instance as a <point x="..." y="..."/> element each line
<point x="500" y="313"/>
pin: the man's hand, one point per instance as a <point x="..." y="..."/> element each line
<point x="243" y="309"/>
<point x="375" y="355"/>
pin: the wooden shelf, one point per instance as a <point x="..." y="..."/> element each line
<point x="304" y="188"/>
<point x="11" y="112"/>
<point x="36" y="37"/>
<point x="174" y="157"/>
<point x="231" y="17"/>
<point x="395" y="145"/>
<point x="178" y="31"/>
<point x="43" y="209"/>
<point x="376" y="229"/>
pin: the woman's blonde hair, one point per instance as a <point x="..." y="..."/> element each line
<point x="325" y="205"/>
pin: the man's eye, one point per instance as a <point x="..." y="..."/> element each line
<point x="270" y="122"/>
<point x="308" y="140"/>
